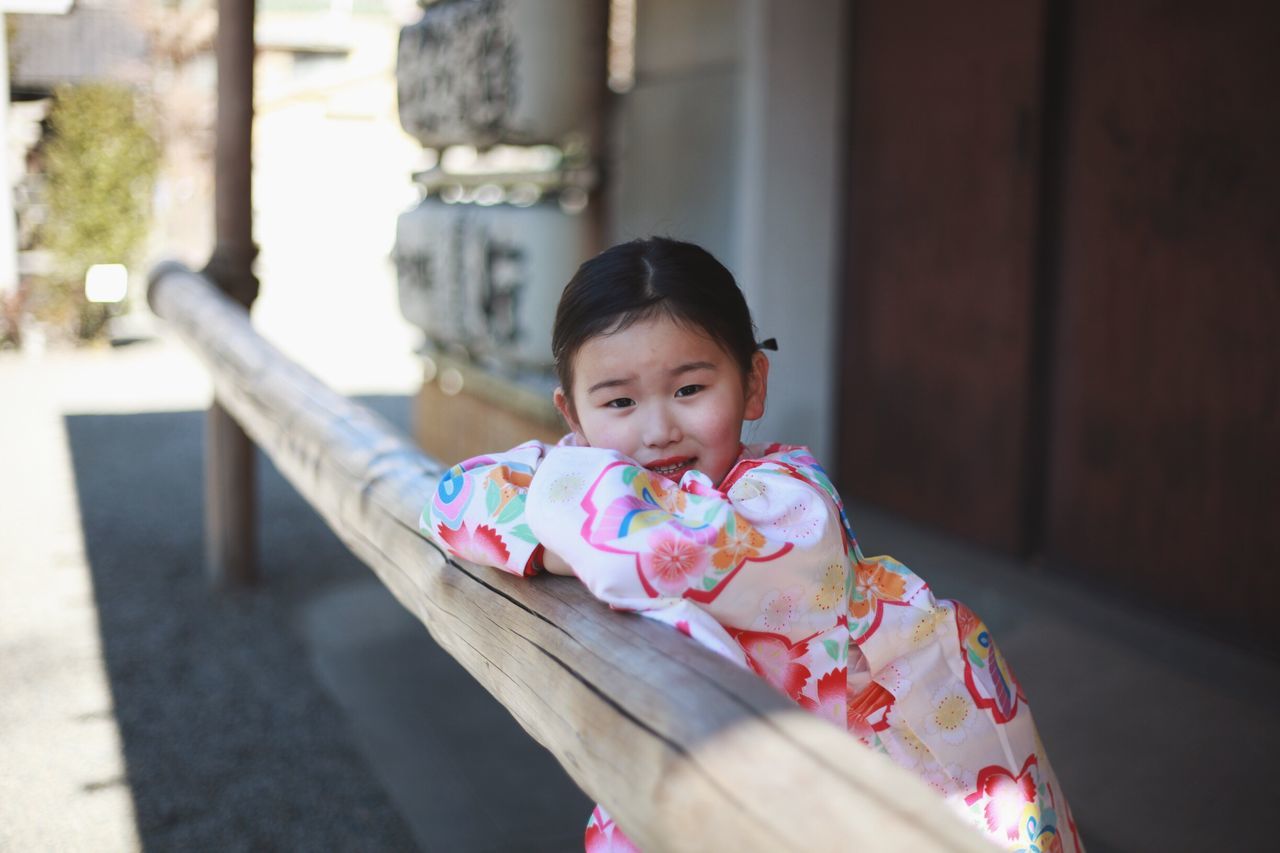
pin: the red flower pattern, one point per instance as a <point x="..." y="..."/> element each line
<point x="774" y="659"/>
<point x="1006" y="797"/>
<point x="832" y="698"/>
<point x="605" y="836"/>
<point x="868" y="709"/>
<point x="482" y="545"/>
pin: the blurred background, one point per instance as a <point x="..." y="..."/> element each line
<point x="1022" y="260"/>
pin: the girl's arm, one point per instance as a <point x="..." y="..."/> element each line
<point x="640" y="541"/>
<point x="555" y="564"/>
<point x="478" y="511"/>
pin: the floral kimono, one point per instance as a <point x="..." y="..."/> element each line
<point x="765" y="570"/>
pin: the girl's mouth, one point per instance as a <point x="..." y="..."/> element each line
<point x="672" y="466"/>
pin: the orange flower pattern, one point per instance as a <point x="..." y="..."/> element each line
<point x="735" y="543"/>
<point x="874" y="582"/>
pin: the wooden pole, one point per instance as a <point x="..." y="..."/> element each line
<point x="230" y="498"/>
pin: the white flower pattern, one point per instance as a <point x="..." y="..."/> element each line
<point x="952" y="715"/>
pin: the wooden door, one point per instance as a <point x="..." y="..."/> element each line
<point x="944" y="156"/>
<point x="1165" y="442"/>
<point x="1073" y="348"/>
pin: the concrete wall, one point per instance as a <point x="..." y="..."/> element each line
<point x="731" y="138"/>
<point x="674" y="155"/>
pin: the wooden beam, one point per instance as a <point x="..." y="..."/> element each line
<point x="688" y="751"/>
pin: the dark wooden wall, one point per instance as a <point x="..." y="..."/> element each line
<point x="1063" y="289"/>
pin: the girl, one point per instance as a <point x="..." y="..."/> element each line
<point x="654" y="503"/>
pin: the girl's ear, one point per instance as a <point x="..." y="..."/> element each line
<point x="566" y="411"/>
<point x="757" y="386"/>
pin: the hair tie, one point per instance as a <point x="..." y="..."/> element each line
<point x="768" y="343"/>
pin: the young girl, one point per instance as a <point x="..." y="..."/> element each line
<point x="654" y="503"/>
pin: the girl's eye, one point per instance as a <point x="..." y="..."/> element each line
<point x="620" y="403"/>
<point x="689" y="390"/>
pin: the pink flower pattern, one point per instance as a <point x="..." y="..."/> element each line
<point x="673" y="561"/>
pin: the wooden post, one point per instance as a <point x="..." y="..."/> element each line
<point x="230" y="499"/>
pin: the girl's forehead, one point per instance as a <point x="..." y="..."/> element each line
<point x="651" y="345"/>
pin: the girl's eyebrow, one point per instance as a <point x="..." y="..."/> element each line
<point x="610" y="383"/>
<point x="692" y="366"/>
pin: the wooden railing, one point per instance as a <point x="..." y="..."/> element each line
<point x="687" y="751"/>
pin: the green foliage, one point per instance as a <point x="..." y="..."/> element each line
<point x="100" y="167"/>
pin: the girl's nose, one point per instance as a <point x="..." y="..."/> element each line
<point x="661" y="428"/>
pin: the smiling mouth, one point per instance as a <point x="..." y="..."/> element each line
<point x="674" y="465"/>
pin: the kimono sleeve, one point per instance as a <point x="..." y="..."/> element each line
<point x="478" y="510"/>
<point x="639" y="541"/>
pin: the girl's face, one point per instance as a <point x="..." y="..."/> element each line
<point x="665" y="395"/>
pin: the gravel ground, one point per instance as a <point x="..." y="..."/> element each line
<point x="229" y="742"/>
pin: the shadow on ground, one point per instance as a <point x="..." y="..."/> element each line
<point x="248" y="720"/>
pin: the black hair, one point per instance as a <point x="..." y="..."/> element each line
<point x="645" y="278"/>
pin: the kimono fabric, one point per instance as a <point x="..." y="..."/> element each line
<point x="766" y="571"/>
